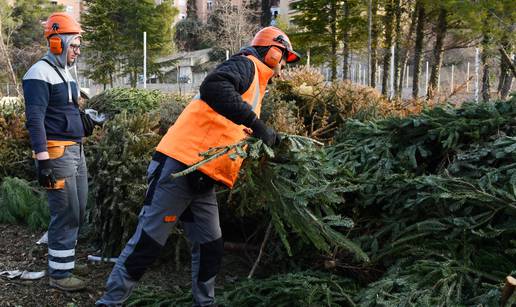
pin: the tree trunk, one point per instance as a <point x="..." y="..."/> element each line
<point x="397" y="48"/>
<point x="134" y="78"/>
<point x="345" y="39"/>
<point x="505" y="82"/>
<point x="438" y="53"/>
<point x="4" y="50"/>
<point x="191" y="9"/>
<point x="408" y="45"/>
<point x="388" y="22"/>
<point x="374" y="42"/>
<point x="266" y="16"/>
<point x="418" y="48"/>
<point x="486" y="40"/>
<point x="334" y="38"/>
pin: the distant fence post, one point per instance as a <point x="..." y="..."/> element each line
<point x="477" y="68"/>
<point x="451" y="82"/>
<point x="426" y="79"/>
<point x="467" y="79"/>
<point x="407" y="72"/>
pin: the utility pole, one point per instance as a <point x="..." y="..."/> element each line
<point x="369" y="26"/>
<point x="144" y="59"/>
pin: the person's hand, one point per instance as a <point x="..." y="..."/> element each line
<point x="266" y="134"/>
<point x="46" y="177"/>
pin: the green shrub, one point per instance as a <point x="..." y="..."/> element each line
<point x="15" y="150"/>
<point x="293" y="289"/>
<point x="131" y="100"/>
<point x="170" y="109"/>
<point x="21" y="203"/>
<point x="117" y="163"/>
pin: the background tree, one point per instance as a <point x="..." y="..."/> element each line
<point x="388" y="22"/>
<point x="397" y="45"/>
<point x="144" y="16"/>
<point x="490" y="25"/>
<point x="265" y="16"/>
<point x="506" y="77"/>
<point x="440" y="31"/>
<point x="418" y="47"/>
<point x="407" y="44"/>
<point x="22" y="33"/>
<point x="8" y="25"/>
<point x="101" y="28"/>
<point x="375" y="30"/>
<point x="319" y="21"/>
<point x="189" y="34"/>
<point x="353" y="26"/>
<point x="228" y="26"/>
<point x="29" y="44"/>
<point x="115" y="37"/>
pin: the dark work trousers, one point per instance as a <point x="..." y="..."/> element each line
<point x="168" y="201"/>
<point x="67" y="205"/>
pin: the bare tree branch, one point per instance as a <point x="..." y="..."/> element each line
<point x="230" y="28"/>
<point x="7" y="28"/>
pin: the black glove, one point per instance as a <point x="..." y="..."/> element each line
<point x="87" y="123"/>
<point x="91" y="118"/>
<point x="46" y="176"/>
<point x="266" y="134"/>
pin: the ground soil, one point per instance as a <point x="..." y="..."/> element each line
<point x="18" y="251"/>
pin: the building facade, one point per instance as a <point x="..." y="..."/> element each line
<point x="72" y="7"/>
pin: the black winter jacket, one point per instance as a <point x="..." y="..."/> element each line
<point x="222" y="89"/>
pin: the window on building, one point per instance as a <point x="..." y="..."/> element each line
<point x="209" y="5"/>
<point x="53" y="2"/>
<point x="69" y="9"/>
<point x="182" y="2"/>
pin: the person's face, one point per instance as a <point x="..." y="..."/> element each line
<point x="74" y="50"/>
<point x="277" y="69"/>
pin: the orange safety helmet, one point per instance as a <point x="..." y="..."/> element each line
<point x="272" y="36"/>
<point x="60" y="23"/>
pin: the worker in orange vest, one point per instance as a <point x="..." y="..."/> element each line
<point x="228" y="103"/>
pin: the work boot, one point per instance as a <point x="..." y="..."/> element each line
<point x="70" y="283"/>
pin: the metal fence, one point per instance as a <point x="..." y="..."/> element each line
<point x="457" y="80"/>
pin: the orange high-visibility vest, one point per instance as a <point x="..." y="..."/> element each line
<point x="200" y="128"/>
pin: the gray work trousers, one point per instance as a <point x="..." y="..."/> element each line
<point x="168" y="201"/>
<point x="67" y="205"/>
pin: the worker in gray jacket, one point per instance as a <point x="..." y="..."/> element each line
<point x="56" y="132"/>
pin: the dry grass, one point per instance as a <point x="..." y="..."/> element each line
<point x="319" y="107"/>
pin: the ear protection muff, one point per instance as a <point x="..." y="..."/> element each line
<point x="273" y="56"/>
<point x="55" y="42"/>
